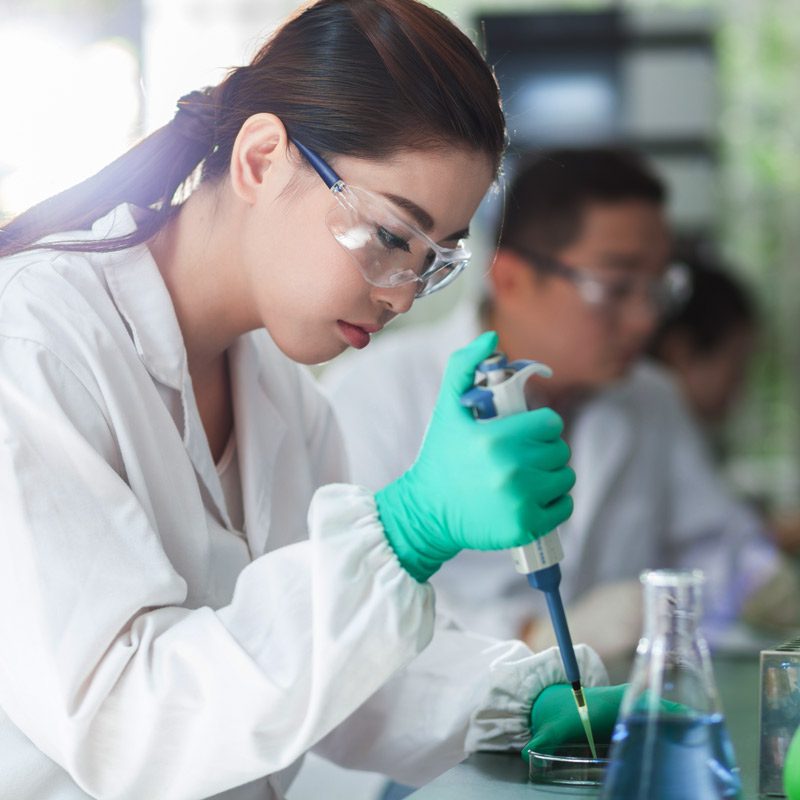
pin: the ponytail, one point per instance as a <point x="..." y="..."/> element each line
<point x="362" y="78"/>
<point x="148" y="175"/>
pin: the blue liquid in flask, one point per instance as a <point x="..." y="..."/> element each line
<point x="672" y="758"/>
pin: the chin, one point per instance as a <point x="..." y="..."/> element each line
<point x="303" y="352"/>
<point x="312" y="359"/>
<point x="310" y="355"/>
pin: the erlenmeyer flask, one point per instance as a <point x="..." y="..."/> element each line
<point x="670" y="742"/>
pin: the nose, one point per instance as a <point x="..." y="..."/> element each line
<point x="396" y="299"/>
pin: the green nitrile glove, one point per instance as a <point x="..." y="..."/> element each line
<point x="555" y="720"/>
<point x="477" y="485"/>
<point x="791" y="768"/>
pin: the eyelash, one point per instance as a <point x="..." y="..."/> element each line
<point x="391" y="241"/>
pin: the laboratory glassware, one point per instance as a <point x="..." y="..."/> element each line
<point x="670" y="741"/>
<point x="568" y="765"/>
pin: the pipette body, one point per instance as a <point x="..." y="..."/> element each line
<point x="500" y="391"/>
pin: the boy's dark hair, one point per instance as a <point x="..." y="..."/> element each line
<point x="548" y="195"/>
<point x="718" y="305"/>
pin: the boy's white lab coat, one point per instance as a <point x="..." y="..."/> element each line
<point x="646" y="495"/>
<point x="148" y="650"/>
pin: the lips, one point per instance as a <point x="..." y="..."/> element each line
<point x="357" y="336"/>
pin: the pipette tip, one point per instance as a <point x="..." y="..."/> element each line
<point x="583" y="712"/>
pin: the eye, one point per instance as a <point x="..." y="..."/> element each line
<point x="390" y="241"/>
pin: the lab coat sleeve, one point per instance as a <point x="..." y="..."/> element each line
<point x="103" y="669"/>
<point x="464" y="693"/>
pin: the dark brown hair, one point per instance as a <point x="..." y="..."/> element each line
<point x="720" y="304"/>
<point x="349" y="77"/>
<point x="545" y="204"/>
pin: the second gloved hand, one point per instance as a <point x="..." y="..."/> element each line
<point x="483" y="486"/>
<point x="555" y="720"/>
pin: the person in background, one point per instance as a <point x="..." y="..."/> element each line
<point x="193" y="596"/>
<point x="707" y="342"/>
<point x="580" y="281"/>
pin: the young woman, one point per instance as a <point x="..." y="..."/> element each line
<point x="186" y="611"/>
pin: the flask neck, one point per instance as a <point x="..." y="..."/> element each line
<point x="672" y="611"/>
<point x="673" y="662"/>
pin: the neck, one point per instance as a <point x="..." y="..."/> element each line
<point x="211" y="301"/>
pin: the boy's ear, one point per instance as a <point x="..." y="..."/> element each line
<point x="508" y="273"/>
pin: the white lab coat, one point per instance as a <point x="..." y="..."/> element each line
<point x="646" y="495"/>
<point x="147" y="649"/>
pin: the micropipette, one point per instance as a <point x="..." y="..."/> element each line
<point x="499" y="391"/>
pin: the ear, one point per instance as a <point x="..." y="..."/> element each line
<point x="509" y="274"/>
<point x="261" y="149"/>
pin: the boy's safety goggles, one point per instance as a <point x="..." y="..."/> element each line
<point x="388" y="250"/>
<point x="664" y="294"/>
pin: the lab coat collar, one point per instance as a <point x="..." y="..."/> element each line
<point x="260" y="433"/>
<point x="142" y="298"/>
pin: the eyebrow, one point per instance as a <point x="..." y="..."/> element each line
<point x="422" y="217"/>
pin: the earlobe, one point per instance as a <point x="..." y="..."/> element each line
<point x="260" y="149"/>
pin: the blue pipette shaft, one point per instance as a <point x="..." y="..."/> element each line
<point x="547" y="580"/>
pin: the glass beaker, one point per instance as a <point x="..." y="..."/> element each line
<point x="670" y="741"/>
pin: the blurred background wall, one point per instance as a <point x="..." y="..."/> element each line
<point x="708" y="89"/>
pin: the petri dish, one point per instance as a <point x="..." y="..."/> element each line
<point x="568" y="765"/>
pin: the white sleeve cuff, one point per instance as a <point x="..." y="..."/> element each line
<point x="502" y="720"/>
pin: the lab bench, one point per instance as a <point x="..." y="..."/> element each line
<point x="504" y="776"/>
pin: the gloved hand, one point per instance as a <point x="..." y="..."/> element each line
<point x="791" y="768"/>
<point x="478" y="485"/>
<point x="555" y="719"/>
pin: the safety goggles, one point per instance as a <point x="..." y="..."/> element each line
<point x="664" y="294"/>
<point x="387" y="249"/>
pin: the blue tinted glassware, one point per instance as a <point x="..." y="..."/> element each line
<point x="670" y="742"/>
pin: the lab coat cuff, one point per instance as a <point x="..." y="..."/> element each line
<point x="345" y="510"/>
<point x="502" y="719"/>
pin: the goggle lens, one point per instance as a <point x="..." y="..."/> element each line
<point x="389" y="251"/>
